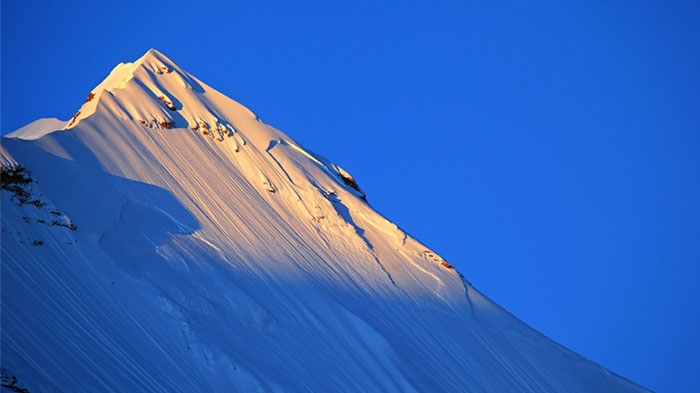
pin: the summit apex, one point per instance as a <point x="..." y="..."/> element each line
<point x="154" y="57"/>
<point x="153" y="52"/>
<point x="155" y="92"/>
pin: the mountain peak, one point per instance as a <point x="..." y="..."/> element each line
<point x="153" y="52"/>
<point x="157" y="93"/>
<point x="155" y="61"/>
<point x="151" y="63"/>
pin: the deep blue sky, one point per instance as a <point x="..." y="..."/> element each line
<point x="550" y="151"/>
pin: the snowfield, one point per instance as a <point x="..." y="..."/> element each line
<point x="206" y="251"/>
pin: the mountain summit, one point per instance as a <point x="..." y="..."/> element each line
<point x="157" y="93"/>
<point x="167" y="240"/>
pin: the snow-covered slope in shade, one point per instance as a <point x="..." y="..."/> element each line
<point x="173" y="242"/>
<point x="38" y="128"/>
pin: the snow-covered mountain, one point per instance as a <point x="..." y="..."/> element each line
<point x="165" y="239"/>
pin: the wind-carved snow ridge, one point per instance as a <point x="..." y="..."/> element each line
<point x="206" y="251"/>
<point x="38" y="128"/>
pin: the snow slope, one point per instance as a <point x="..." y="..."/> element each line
<point x="203" y="250"/>
<point x="38" y="128"/>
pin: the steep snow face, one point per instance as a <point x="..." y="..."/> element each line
<point x="169" y="240"/>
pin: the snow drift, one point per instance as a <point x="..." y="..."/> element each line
<point x="171" y="241"/>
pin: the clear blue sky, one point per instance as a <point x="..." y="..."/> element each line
<point x="549" y="151"/>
